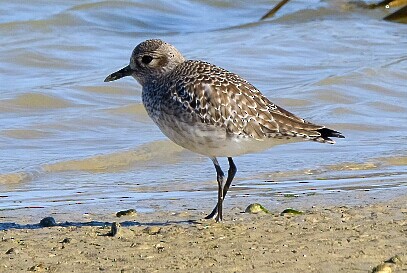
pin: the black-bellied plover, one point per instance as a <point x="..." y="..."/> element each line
<point x="211" y="111"/>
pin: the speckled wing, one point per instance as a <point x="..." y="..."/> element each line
<point x="223" y="99"/>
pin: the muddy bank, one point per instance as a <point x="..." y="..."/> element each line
<point x="322" y="239"/>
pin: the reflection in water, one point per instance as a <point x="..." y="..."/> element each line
<point x="163" y="151"/>
<point x="399" y="16"/>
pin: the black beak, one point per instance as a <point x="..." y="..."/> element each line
<point x="124" y="72"/>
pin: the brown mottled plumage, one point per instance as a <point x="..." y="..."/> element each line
<point x="211" y="111"/>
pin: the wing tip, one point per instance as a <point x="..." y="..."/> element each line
<point x="327" y="133"/>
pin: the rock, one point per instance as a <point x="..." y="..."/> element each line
<point x="66" y="240"/>
<point x="152" y="230"/>
<point x="382" y="268"/>
<point x="398" y="260"/>
<point x="291" y="211"/>
<point x="12" y="251"/>
<point x="37" y="268"/>
<point x="256" y="208"/>
<point x="48" y="222"/>
<point x="160" y="247"/>
<point x="114" y="229"/>
<point x="129" y="212"/>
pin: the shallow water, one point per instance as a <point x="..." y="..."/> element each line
<point x="72" y="144"/>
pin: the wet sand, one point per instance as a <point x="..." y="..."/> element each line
<point x="325" y="238"/>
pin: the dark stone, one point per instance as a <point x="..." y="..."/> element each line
<point x="48" y="222"/>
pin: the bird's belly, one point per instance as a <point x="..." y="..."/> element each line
<point x="215" y="142"/>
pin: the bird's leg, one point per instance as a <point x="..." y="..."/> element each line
<point x="219" y="177"/>
<point x="231" y="174"/>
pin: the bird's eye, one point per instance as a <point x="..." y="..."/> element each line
<point x="146" y="59"/>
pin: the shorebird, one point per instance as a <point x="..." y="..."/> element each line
<point x="211" y="111"/>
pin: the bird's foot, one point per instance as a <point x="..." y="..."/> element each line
<point x="213" y="214"/>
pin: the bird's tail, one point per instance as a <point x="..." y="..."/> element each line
<point x="326" y="134"/>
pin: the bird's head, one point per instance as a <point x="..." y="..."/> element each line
<point x="150" y="60"/>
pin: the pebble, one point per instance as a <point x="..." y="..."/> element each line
<point x="383" y="268"/>
<point x="66" y="240"/>
<point x="12" y="251"/>
<point x="37" y="268"/>
<point x="114" y="229"/>
<point x="129" y="212"/>
<point x="291" y="211"/>
<point x="160" y="247"/>
<point x="256" y="208"/>
<point x="152" y="230"/>
<point x="48" y="222"/>
<point x="398" y="260"/>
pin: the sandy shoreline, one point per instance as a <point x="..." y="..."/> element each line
<point x="333" y="238"/>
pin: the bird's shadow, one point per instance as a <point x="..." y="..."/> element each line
<point x="9" y="225"/>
